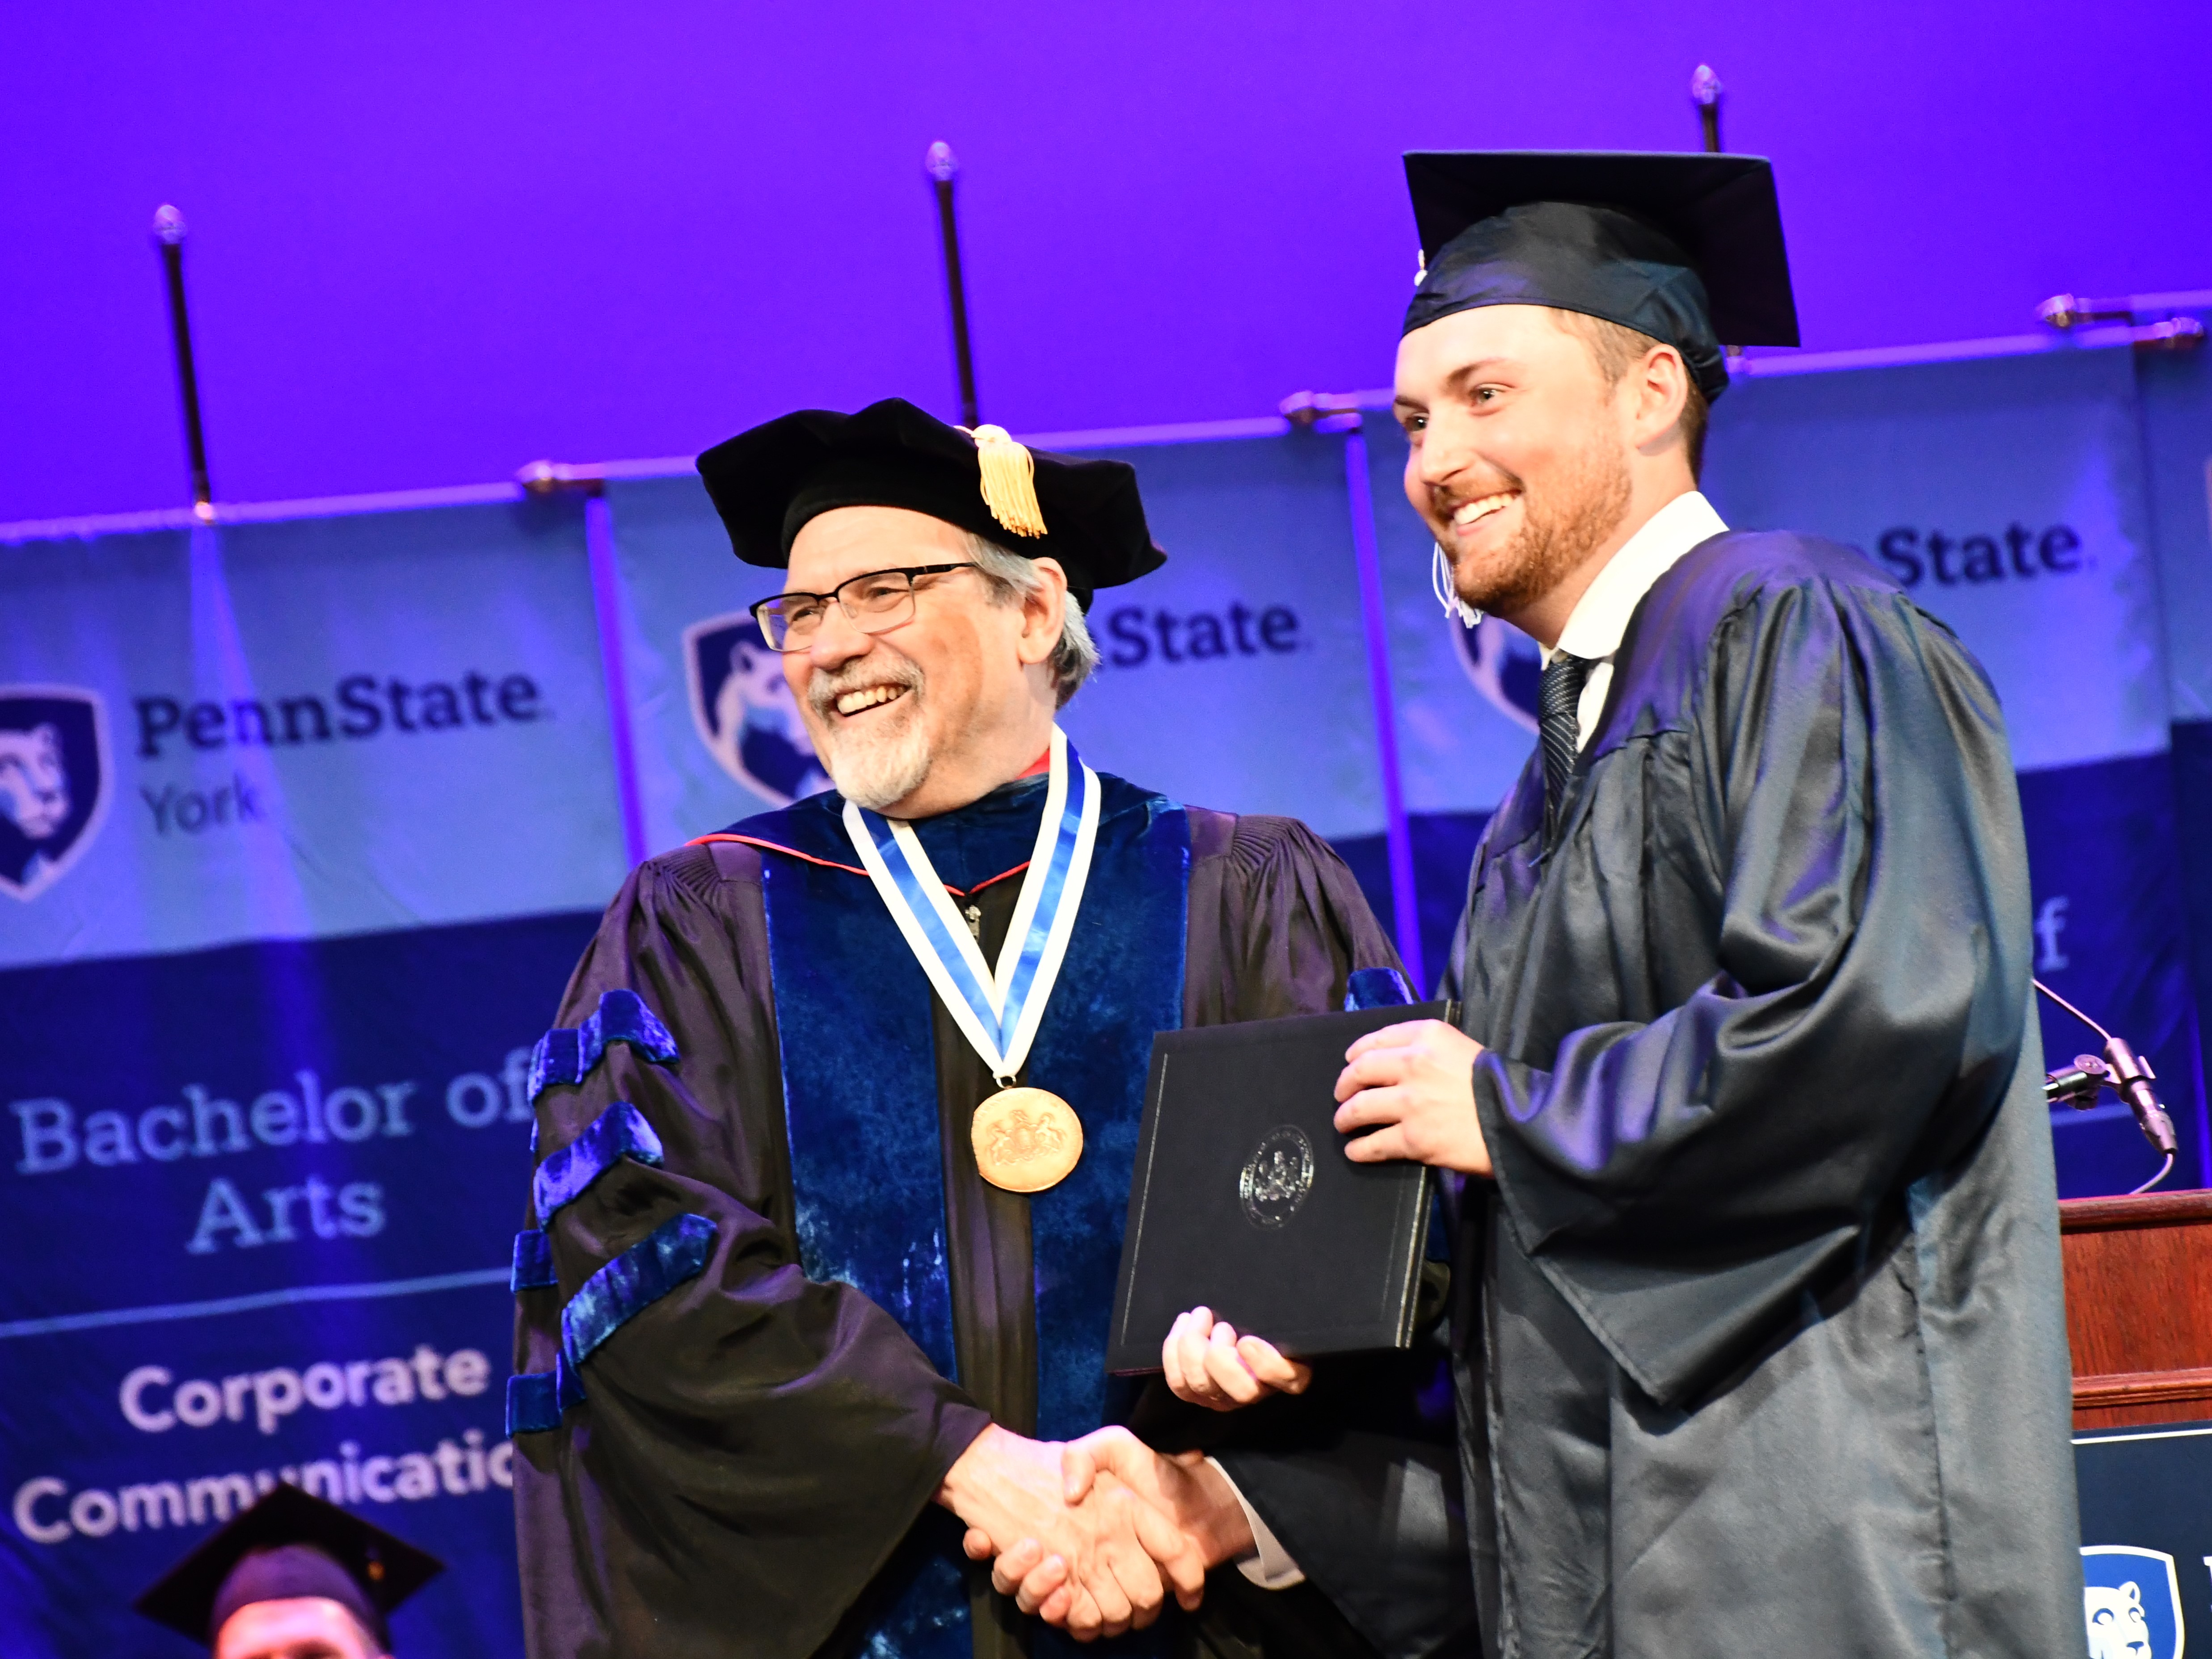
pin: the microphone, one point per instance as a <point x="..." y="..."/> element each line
<point x="2131" y="1080"/>
<point x="2123" y="1071"/>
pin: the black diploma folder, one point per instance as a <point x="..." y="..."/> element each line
<point x="1244" y="1201"/>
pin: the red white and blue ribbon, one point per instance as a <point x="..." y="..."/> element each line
<point x="998" y="1010"/>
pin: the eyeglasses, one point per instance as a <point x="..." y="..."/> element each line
<point x="874" y="602"/>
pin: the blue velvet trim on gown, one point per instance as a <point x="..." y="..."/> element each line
<point x="530" y="1408"/>
<point x="619" y="1132"/>
<point x="535" y="1399"/>
<point x="1376" y="988"/>
<point x="567" y="1054"/>
<point x="673" y="1254"/>
<point x="860" y="1074"/>
<point x="533" y="1262"/>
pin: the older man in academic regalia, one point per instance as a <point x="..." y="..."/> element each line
<point x="1758" y="1312"/>
<point x="833" y="1139"/>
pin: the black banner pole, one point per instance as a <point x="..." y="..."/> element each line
<point x="1705" y="94"/>
<point x="169" y="236"/>
<point x="943" y="168"/>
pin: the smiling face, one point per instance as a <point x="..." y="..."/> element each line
<point x="937" y="711"/>
<point x="1528" y="466"/>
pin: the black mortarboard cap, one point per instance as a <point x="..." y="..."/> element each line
<point x="769" y="482"/>
<point x="289" y="1545"/>
<point x="1685" y="248"/>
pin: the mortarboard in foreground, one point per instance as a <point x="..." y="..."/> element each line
<point x="289" y="1545"/>
<point x="1685" y="248"/>
<point x="769" y="482"/>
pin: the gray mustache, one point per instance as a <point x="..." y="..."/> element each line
<point x="824" y="690"/>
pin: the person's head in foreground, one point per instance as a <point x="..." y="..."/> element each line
<point x="1562" y="349"/>
<point x="292" y="1577"/>
<point x="930" y="620"/>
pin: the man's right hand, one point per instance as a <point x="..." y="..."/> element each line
<point x="1207" y="1363"/>
<point x="1114" y="1544"/>
<point x="1185" y="1488"/>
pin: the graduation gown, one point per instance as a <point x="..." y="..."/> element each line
<point x="756" y="1218"/>
<point x="1759" y="1326"/>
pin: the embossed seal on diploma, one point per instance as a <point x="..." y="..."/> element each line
<point x="1026" y="1139"/>
<point x="1277" y="1177"/>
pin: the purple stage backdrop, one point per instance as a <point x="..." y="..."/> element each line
<point x="431" y="243"/>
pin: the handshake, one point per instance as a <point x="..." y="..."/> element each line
<point x="1094" y="1535"/>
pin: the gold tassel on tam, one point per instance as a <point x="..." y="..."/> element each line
<point x="1009" y="481"/>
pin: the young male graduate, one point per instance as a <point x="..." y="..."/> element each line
<point x="292" y="1577"/>
<point x="833" y="1141"/>
<point x="1758" y="1310"/>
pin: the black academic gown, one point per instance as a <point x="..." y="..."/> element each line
<point x="1761" y="1340"/>
<point x="753" y="1469"/>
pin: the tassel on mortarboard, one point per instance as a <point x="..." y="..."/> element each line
<point x="1009" y="481"/>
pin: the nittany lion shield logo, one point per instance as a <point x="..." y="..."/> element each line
<point x="2132" y="1601"/>
<point x="1504" y="664"/>
<point x="744" y="711"/>
<point x="54" y="782"/>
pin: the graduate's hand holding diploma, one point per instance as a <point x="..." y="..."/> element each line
<point x="1412" y="1086"/>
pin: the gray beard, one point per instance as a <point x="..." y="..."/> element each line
<point x="877" y="772"/>
<point x="873" y="767"/>
<point x="1592" y="499"/>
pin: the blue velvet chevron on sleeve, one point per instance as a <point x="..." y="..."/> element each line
<point x="535" y="1399"/>
<point x="619" y="1132"/>
<point x="675" y="1253"/>
<point x="566" y="1054"/>
<point x="1375" y="987"/>
<point x="533" y="1262"/>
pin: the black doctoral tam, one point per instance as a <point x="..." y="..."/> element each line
<point x="768" y="483"/>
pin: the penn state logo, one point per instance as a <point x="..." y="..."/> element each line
<point x="745" y="713"/>
<point x="54" y="774"/>
<point x="1277" y="1177"/>
<point x="2132" y="1601"/>
<point x="1505" y="665"/>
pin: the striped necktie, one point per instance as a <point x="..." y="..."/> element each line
<point x="1558" y="697"/>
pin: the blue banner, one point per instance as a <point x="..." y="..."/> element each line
<point x="719" y="738"/>
<point x="1236" y="676"/>
<point x="2007" y="497"/>
<point x="301" y="728"/>
<point x="312" y="820"/>
<point x="2146" y="1543"/>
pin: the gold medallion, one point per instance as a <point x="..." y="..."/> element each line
<point x="1026" y="1139"/>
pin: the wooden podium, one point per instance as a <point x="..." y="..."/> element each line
<point x="2139" y="1307"/>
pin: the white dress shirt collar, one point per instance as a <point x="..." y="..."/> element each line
<point x="1601" y="616"/>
